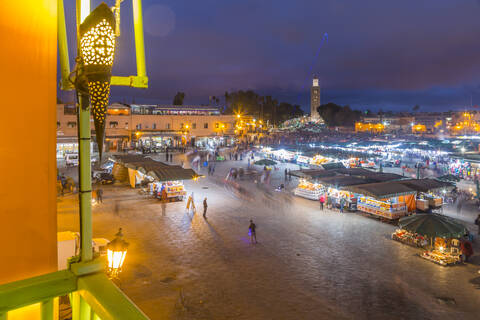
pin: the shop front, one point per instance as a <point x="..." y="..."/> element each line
<point x="212" y="142"/>
<point x="116" y="143"/>
<point x="158" y="141"/>
<point x="68" y="146"/>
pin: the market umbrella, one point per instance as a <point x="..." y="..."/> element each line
<point x="265" y="162"/>
<point x="433" y="225"/>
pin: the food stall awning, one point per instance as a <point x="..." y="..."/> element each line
<point x="383" y="177"/>
<point x="312" y="174"/>
<point x="425" y="185"/>
<point x="353" y="171"/>
<point x="169" y="174"/>
<point x="381" y="190"/>
<point x="332" y="165"/>
<point x="158" y="170"/>
<point x="433" y="225"/>
<point x="342" y="181"/>
<point x="368" y="174"/>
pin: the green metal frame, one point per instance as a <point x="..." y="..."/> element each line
<point x="140" y="80"/>
<point x="25" y="292"/>
<point x="92" y="294"/>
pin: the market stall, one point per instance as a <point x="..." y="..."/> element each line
<point x="335" y="188"/>
<point x="169" y="190"/>
<point x="410" y="238"/>
<point x="430" y="192"/>
<point x="161" y="180"/>
<point x="440" y="234"/>
<point x="390" y="200"/>
<point x="303" y="160"/>
<point x="318" y="160"/>
<point x="309" y="190"/>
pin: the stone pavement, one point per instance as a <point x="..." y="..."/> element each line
<point x="308" y="264"/>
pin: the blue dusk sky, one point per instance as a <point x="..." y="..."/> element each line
<point x="371" y="54"/>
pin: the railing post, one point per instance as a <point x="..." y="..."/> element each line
<point x="85" y="310"/>
<point x="46" y="310"/>
<point x="75" y="303"/>
<point x="85" y="177"/>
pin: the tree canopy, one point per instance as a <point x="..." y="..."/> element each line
<point x="335" y="115"/>
<point x="178" y="99"/>
<point x="263" y="107"/>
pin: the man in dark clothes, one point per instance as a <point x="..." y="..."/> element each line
<point x="252" y="232"/>
<point x="477" y="222"/>
<point x="99" y="195"/>
<point x="171" y="157"/>
<point x="205" y="206"/>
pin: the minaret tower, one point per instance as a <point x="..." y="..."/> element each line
<point x="314" y="99"/>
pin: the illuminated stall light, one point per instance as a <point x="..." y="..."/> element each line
<point x="116" y="252"/>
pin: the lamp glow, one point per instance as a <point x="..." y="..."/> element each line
<point x="97" y="48"/>
<point x="116" y="252"/>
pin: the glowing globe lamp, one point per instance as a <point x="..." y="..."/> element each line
<point x="97" y="49"/>
<point x="116" y="252"/>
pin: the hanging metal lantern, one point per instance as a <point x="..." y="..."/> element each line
<point x="97" y="49"/>
<point x="116" y="252"/>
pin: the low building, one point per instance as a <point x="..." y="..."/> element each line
<point x="129" y="126"/>
<point x="369" y="127"/>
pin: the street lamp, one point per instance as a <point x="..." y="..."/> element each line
<point x="116" y="252"/>
<point x="97" y="50"/>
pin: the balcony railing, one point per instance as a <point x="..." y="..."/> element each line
<point x="92" y="295"/>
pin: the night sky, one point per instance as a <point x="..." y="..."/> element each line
<point x="379" y="54"/>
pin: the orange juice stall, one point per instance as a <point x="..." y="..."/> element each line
<point x="390" y="200"/>
<point x="308" y="186"/>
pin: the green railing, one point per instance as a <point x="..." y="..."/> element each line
<point x="92" y="294"/>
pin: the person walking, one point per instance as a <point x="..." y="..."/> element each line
<point x="477" y="222"/>
<point x="252" y="232"/>
<point x="205" y="206"/>
<point x="322" y="201"/>
<point x="171" y="157"/>
<point x="164" y="207"/>
<point x="191" y="203"/>
<point x="99" y="195"/>
<point x="286" y="174"/>
<point x="116" y="208"/>
<point x="329" y="202"/>
<point x="342" y="204"/>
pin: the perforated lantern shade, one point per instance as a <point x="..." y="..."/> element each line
<point x="97" y="47"/>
